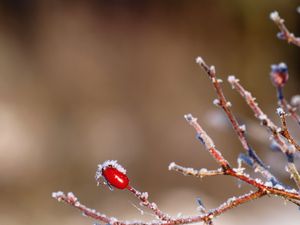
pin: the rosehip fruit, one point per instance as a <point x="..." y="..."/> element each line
<point x="113" y="173"/>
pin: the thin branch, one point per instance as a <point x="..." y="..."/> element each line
<point x="143" y="197"/>
<point x="271" y="189"/>
<point x="72" y="200"/>
<point x="207" y="141"/>
<point x="229" y="204"/>
<point x="284" y="33"/>
<point x="196" y="173"/>
<point x="284" y="129"/>
<point x="258" y="164"/>
<point x="259" y="114"/>
<point x="291" y="167"/>
<point x="276" y="132"/>
<point x="283" y="103"/>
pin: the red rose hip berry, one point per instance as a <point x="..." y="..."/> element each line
<point x="115" y="178"/>
<point x="113" y="173"/>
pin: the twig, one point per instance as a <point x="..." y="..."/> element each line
<point x="284" y="129"/>
<point x="257" y="163"/>
<point x="277" y="135"/>
<point x="203" y="172"/>
<point x="259" y="114"/>
<point x="143" y="197"/>
<point x="284" y="33"/>
<point x="72" y="200"/>
<point x="268" y="186"/>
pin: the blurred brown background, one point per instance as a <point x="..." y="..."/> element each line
<point x="85" y="81"/>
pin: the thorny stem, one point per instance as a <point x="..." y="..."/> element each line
<point x="240" y="130"/>
<point x="284" y="34"/>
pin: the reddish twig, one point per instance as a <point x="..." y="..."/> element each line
<point x="258" y="165"/>
<point x="284" y="33"/>
<point x="259" y="114"/>
<point x="287" y="148"/>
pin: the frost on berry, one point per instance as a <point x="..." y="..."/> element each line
<point x="113" y="174"/>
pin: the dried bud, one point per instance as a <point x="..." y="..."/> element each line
<point x="113" y="174"/>
<point x="279" y="74"/>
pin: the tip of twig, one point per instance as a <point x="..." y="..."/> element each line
<point x="274" y="16"/>
<point x="231" y="79"/>
<point x="199" y="60"/>
<point x="172" y="165"/>
<point x="189" y="118"/>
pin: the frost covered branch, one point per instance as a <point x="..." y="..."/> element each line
<point x="114" y="176"/>
<point x="284" y="33"/>
<point x="251" y="158"/>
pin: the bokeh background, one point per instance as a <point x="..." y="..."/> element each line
<point x="85" y="81"/>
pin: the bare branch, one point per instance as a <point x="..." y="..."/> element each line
<point x="257" y="164"/>
<point x="284" y="33"/>
<point x="196" y="173"/>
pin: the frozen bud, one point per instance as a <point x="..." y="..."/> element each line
<point x="279" y="74"/>
<point x="113" y="174"/>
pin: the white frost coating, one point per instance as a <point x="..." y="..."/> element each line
<point x="262" y="117"/>
<point x="203" y="135"/>
<point x="280" y="111"/>
<point x="77" y="204"/>
<point x="279" y="186"/>
<point x="72" y="197"/>
<point x="144" y="195"/>
<point x="282" y="65"/>
<point x="154" y="206"/>
<point x="203" y="171"/>
<point x="108" y="163"/>
<point x="216" y="102"/>
<point x="231" y="79"/>
<point x="274" y="16"/>
<point x="199" y="60"/>
<point x="257" y="180"/>
<point x="113" y="220"/>
<point x="242" y="127"/>
<point x="57" y="194"/>
<point x="172" y="166"/>
<point x="268" y="184"/>
<point x="189" y="117"/>
<point x="212" y="69"/>
<point x="230" y="200"/>
<point x="228" y="104"/>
